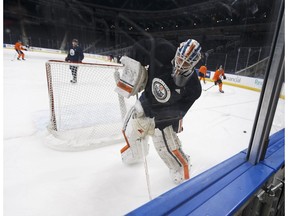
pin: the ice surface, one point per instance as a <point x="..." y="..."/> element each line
<point x="42" y="181"/>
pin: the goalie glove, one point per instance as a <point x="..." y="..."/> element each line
<point x="133" y="78"/>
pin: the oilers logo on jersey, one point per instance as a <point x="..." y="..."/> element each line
<point x="72" y="52"/>
<point x="160" y="90"/>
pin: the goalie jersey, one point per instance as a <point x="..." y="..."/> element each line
<point x="162" y="99"/>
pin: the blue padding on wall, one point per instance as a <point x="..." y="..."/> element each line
<point x="236" y="193"/>
<point x="275" y="160"/>
<point x="221" y="190"/>
<point x="196" y="201"/>
<point x="277" y="136"/>
<point x="274" y="157"/>
<point x="171" y="199"/>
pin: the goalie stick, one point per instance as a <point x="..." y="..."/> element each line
<point x="146" y="168"/>
<point x="147" y="174"/>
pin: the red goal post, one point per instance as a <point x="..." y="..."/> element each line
<point x="87" y="114"/>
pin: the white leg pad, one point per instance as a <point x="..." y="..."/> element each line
<point x="178" y="176"/>
<point x="136" y="129"/>
<point x="168" y="146"/>
<point x="135" y="152"/>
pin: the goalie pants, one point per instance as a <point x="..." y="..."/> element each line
<point x="168" y="146"/>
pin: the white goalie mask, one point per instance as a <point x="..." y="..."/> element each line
<point x="186" y="57"/>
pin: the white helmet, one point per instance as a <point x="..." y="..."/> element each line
<point x="186" y="57"/>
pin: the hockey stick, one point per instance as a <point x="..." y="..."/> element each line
<point x="147" y="174"/>
<point x="146" y="168"/>
<point x="209" y="87"/>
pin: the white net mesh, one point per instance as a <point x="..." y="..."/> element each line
<point x="86" y="114"/>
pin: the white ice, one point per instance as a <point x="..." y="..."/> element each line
<point x="41" y="181"/>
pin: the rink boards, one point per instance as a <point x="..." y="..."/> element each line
<point x="223" y="189"/>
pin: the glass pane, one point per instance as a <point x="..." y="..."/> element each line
<point x="279" y="118"/>
<point x="235" y="35"/>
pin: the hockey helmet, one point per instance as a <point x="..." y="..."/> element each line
<point x="186" y="57"/>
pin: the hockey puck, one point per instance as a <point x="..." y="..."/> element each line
<point x="244" y="131"/>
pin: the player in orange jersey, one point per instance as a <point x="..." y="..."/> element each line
<point x="202" y="73"/>
<point x="217" y="78"/>
<point x="19" y="47"/>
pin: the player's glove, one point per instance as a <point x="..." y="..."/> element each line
<point x="215" y="82"/>
<point x="66" y="59"/>
<point x="224" y="77"/>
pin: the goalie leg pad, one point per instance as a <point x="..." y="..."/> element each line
<point x="168" y="146"/>
<point x="135" y="150"/>
<point x="135" y="130"/>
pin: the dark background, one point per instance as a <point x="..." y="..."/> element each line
<point x="232" y="33"/>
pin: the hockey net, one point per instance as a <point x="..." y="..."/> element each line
<point x="87" y="114"/>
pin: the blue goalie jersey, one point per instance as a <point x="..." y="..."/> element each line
<point x="162" y="99"/>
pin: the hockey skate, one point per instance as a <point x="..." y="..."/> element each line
<point x="221" y="91"/>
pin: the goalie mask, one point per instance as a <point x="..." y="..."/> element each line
<point x="186" y="57"/>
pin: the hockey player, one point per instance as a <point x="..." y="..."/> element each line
<point x="19" y="47"/>
<point x="171" y="86"/>
<point x="217" y="78"/>
<point x="75" y="55"/>
<point x="202" y="73"/>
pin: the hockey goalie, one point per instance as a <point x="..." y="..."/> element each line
<point x="165" y="75"/>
